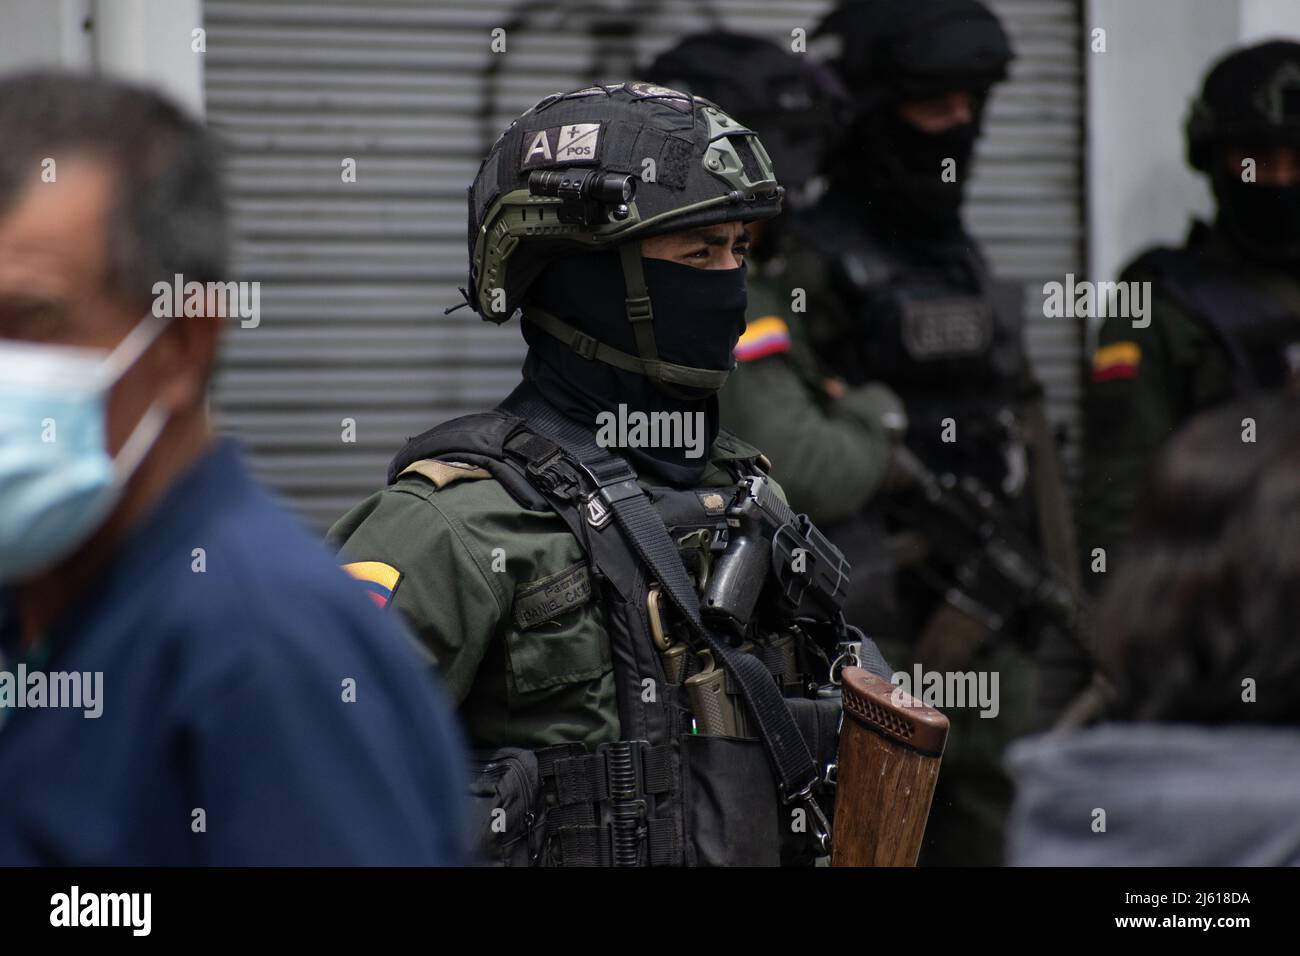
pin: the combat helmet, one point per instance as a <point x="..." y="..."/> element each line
<point x="604" y="167"/>
<point x="793" y="102"/>
<point x="1250" y="96"/>
<point x="895" y="50"/>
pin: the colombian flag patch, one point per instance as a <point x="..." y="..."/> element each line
<point x="1116" y="361"/>
<point x="763" y="337"/>
<point x="380" y="580"/>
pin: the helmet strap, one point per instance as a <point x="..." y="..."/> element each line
<point x="665" y="375"/>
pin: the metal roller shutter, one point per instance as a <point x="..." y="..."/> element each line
<point x="355" y="275"/>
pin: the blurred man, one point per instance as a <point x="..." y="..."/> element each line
<point x="899" y="292"/>
<point x="186" y="677"/>
<point x="1224" y="314"/>
<point x="589" y="582"/>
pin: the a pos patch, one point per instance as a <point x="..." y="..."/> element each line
<point x="380" y="580"/>
<point x="573" y="145"/>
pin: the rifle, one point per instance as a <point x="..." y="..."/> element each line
<point x="986" y="570"/>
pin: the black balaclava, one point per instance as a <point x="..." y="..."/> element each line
<point x="896" y="169"/>
<point x="1263" y="221"/>
<point x="893" y="51"/>
<point x="699" y="315"/>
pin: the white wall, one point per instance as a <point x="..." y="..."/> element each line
<point x="1140" y="189"/>
<point x="147" y="41"/>
<point x="44" y="33"/>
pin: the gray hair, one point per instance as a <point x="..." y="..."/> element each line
<point x="168" y="214"/>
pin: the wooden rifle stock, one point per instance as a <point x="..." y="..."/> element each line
<point x="890" y="748"/>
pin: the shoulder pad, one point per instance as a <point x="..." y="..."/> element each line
<point x="443" y="473"/>
<point x="769" y="335"/>
<point x="483" y="433"/>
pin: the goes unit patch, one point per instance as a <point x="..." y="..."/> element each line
<point x="380" y="580"/>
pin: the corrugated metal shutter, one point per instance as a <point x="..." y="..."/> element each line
<point x="355" y="275"/>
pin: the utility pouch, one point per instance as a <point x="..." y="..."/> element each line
<point x="506" y="809"/>
<point x="732" y="817"/>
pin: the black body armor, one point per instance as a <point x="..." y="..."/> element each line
<point x="1260" y="335"/>
<point x="671" y="792"/>
<point x="925" y="321"/>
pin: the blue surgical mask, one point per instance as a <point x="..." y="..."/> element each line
<point x="58" y="482"/>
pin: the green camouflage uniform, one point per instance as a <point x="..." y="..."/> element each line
<point x="830" y="455"/>
<point x="473" y="564"/>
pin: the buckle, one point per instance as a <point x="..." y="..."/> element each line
<point x="584" y="345"/>
<point x="551" y="474"/>
<point x="821" y="827"/>
<point x="638" y="310"/>
<point x="620" y="491"/>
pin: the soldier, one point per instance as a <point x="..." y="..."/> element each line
<point x="605" y="606"/>
<point x="1224" y="309"/>
<point x="899" y="292"/>
<point x="829" y="444"/>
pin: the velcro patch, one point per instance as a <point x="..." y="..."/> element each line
<point x="380" y="580"/>
<point x="443" y="473"/>
<point x="554" y="596"/>
<point x="573" y="145"/>
<point x="714" y="503"/>
<point x="947" y="328"/>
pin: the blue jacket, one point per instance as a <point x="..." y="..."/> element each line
<point x="225" y="735"/>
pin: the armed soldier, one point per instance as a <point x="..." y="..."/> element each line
<point x="618" y="624"/>
<point x="830" y="444"/>
<point x="899" y="292"/>
<point x="1224" y="315"/>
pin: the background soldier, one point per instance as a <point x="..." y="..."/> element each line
<point x="899" y="292"/>
<point x="1224" y="314"/>
<point x="829" y="444"/>
<point x="529" y="559"/>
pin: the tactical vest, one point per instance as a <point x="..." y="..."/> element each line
<point x="927" y="327"/>
<point x="1260" y="335"/>
<point x="662" y="794"/>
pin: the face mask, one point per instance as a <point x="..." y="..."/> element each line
<point x="699" y="315"/>
<point x="57" y="480"/>
<point x="1263" y="220"/>
<point x="900" y="169"/>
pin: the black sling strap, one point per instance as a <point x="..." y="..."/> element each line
<point x="618" y="489"/>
